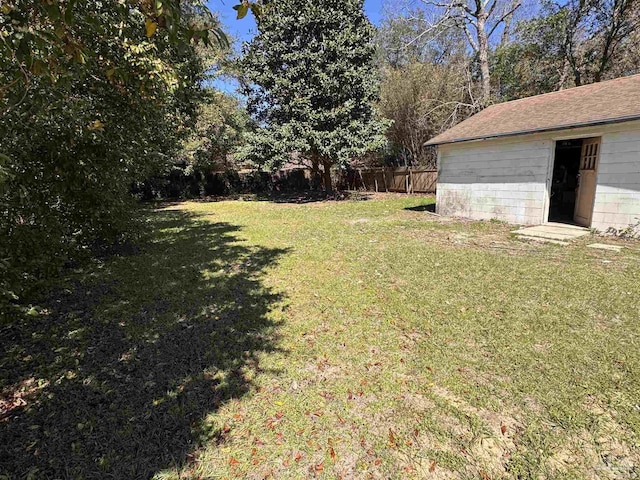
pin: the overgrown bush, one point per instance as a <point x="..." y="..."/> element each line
<point x="95" y="95"/>
<point x="183" y="182"/>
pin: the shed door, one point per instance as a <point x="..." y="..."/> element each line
<point x="586" y="192"/>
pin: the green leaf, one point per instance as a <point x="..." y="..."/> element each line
<point x="256" y="10"/>
<point x="79" y="56"/>
<point x="219" y="36"/>
<point x="53" y="12"/>
<point x="68" y="12"/>
<point x="242" y="10"/>
<point x="39" y="67"/>
<point x="60" y="31"/>
<point x="151" y="27"/>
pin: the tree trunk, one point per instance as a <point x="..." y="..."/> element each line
<point x="506" y="33"/>
<point x="328" y="187"/>
<point x="508" y="20"/>
<point x="566" y="70"/>
<point x="483" y="58"/>
<point x="614" y="33"/>
<point x="315" y="165"/>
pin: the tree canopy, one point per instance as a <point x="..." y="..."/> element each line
<point x="93" y="96"/>
<point x="312" y="83"/>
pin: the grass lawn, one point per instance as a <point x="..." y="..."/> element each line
<point x="353" y="339"/>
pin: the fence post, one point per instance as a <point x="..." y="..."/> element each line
<point x="384" y="179"/>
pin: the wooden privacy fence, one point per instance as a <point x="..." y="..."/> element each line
<point x="402" y="179"/>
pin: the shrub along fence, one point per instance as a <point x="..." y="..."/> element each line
<point x="402" y="179"/>
<point x="178" y="184"/>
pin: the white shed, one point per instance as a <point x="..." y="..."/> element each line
<point x="571" y="156"/>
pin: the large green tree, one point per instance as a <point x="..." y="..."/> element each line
<point x="222" y="123"/>
<point x="93" y="96"/>
<point x="312" y="84"/>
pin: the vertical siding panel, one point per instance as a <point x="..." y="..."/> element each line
<point x="494" y="179"/>
<point x="617" y="202"/>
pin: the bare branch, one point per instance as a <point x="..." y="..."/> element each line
<point x="491" y="8"/>
<point x="511" y="11"/>
<point x="470" y="38"/>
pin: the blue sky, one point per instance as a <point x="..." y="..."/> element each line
<point x="243" y="30"/>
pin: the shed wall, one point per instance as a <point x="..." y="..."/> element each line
<point x="494" y="179"/>
<point x="509" y="178"/>
<point x="617" y="202"/>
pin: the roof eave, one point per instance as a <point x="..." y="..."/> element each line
<point x="434" y="142"/>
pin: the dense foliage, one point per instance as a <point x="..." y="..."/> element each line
<point x="569" y="44"/>
<point x="207" y="164"/>
<point x="220" y="129"/>
<point x="311" y="81"/>
<point x="94" y="96"/>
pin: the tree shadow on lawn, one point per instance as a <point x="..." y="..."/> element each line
<point x="306" y="196"/>
<point x="116" y="378"/>
<point x="431" y="208"/>
<point x="313" y="196"/>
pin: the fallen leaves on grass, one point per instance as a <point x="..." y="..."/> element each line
<point x="392" y="439"/>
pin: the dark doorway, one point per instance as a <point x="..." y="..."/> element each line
<point x="565" y="180"/>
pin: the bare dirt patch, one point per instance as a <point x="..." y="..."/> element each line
<point x="489" y="452"/>
<point x="600" y="451"/>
